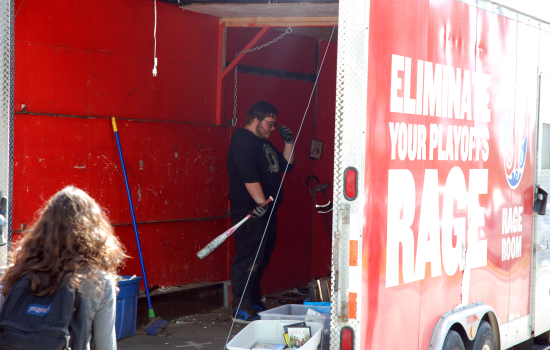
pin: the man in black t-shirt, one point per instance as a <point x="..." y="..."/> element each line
<point x="254" y="166"/>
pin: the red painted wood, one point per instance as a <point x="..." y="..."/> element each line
<point x="175" y="171"/>
<point x="79" y="58"/>
<point x="169" y="252"/>
<point x="56" y="23"/>
<point x="219" y="74"/>
<point x="248" y="46"/>
<point x="51" y="79"/>
<point x="86" y="59"/>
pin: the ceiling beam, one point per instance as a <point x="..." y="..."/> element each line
<point x="189" y="2"/>
<point x="254" y="40"/>
<point x="278" y="21"/>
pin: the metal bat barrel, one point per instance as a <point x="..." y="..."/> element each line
<point x="211" y="246"/>
<point x="216" y="242"/>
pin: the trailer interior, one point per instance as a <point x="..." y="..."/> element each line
<point x="175" y="127"/>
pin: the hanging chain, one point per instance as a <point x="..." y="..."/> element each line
<point x="234" y="120"/>
<point x="288" y="31"/>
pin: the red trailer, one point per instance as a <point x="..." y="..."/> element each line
<point x="441" y="114"/>
<point x="435" y="123"/>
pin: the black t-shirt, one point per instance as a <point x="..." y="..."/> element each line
<point x="252" y="159"/>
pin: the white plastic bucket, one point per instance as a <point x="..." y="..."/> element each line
<point x="272" y="332"/>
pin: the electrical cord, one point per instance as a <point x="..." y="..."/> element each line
<point x="155" y="50"/>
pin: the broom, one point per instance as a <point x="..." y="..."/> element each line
<point x="155" y="323"/>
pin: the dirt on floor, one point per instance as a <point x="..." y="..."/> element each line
<point x="205" y="331"/>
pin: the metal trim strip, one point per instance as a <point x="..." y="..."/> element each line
<point x="350" y="150"/>
<point x="507" y="12"/>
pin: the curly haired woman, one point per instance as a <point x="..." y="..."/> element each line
<point x="73" y="242"/>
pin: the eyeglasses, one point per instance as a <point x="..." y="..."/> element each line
<point x="271" y="124"/>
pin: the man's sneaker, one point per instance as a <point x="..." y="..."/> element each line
<point x="247" y="316"/>
<point x="259" y="306"/>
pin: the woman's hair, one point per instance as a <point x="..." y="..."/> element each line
<point x="71" y="241"/>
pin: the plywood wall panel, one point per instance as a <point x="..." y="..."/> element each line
<point x="104" y="60"/>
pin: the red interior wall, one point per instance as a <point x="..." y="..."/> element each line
<point x="78" y="63"/>
<point x="324" y="167"/>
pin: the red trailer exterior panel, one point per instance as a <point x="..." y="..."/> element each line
<point x="451" y="123"/>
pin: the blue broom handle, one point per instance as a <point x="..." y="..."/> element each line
<point x="133" y="216"/>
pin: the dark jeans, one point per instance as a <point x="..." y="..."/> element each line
<point x="247" y="241"/>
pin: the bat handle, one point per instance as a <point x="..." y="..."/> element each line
<point x="270" y="199"/>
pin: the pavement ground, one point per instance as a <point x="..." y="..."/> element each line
<point x="205" y="331"/>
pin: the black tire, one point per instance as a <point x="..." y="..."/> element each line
<point x="485" y="338"/>
<point x="453" y="341"/>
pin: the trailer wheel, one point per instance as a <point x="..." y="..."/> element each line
<point x="453" y="341"/>
<point x="485" y="338"/>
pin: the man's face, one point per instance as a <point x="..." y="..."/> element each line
<point x="265" y="127"/>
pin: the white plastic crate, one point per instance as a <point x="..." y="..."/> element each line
<point x="297" y="313"/>
<point x="272" y="332"/>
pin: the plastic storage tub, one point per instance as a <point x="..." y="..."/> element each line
<point x="297" y="313"/>
<point x="272" y="332"/>
<point x="316" y="303"/>
<point x="126" y="307"/>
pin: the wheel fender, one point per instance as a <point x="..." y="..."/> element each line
<point x="469" y="317"/>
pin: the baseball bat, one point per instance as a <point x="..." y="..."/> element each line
<point x="216" y="242"/>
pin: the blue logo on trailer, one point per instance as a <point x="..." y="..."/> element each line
<point x="515" y="151"/>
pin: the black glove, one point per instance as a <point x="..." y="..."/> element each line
<point x="286" y="134"/>
<point x="259" y="211"/>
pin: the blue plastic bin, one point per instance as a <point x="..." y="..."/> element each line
<point x="126" y="307"/>
<point x="316" y="303"/>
